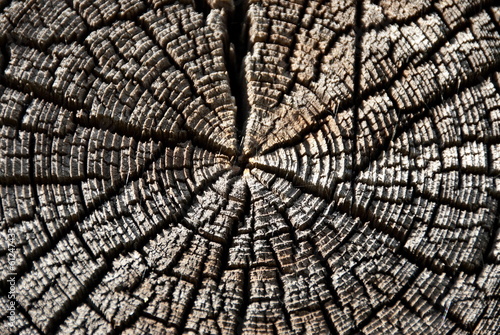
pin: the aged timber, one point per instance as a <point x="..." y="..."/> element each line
<point x="249" y="167"/>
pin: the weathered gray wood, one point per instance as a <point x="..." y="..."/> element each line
<point x="257" y="167"/>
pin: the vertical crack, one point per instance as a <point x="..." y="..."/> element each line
<point x="235" y="17"/>
<point x="201" y="6"/>
<point x="357" y="98"/>
<point x="237" y="48"/>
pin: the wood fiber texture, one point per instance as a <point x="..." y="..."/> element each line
<point x="258" y="167"/>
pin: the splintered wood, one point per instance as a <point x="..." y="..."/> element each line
<point x="256" y="167"/>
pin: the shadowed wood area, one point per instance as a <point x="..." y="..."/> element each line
<point x="256" y="167"/>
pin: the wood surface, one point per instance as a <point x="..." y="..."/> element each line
<point x="250" y="167"/>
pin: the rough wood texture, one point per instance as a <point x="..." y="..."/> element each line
<point x="275" y="167"/>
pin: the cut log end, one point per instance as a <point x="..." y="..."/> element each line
<point x="255" y="167"/>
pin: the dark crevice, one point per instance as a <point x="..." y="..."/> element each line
<point x="241" y="163"/>
<point x="4" y="5"/>
<point x="236" y="50"/>
<point x="488" y="255"/>
<point x="202" y="7"/>
<point x="4" y="57"/>
<point x="357" y="96"/>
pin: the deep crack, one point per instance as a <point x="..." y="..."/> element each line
<point x="237" y="243"/>
<point x="237" y="48"/>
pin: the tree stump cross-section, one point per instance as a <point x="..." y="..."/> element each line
<point x="249" y="167"/>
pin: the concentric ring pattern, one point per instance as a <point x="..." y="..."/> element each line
<point x="260" y="167"/>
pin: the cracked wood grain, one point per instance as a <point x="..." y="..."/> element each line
<point x="250" y="167"/>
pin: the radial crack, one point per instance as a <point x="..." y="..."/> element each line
<point x="235" y="51"/>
